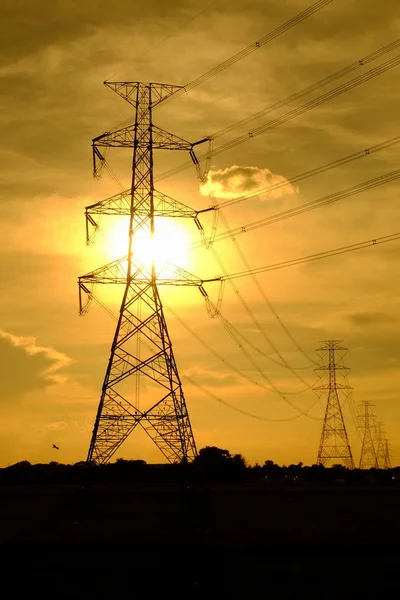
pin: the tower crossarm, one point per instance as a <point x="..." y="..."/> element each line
<point x="128" y="90"/>
<point x="333" y="367"/>
<point x="120" y="205"/>
<point x="125" y="138"/>
<point x="116" y="272"/>
<point x="331" y="344"/>
<point x="338" y="386"/>
<point x="113" y="272"/>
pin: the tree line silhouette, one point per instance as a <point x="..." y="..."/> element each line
<point x="212" y="464"/>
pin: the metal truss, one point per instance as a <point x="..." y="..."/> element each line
<point x="133" y="136"/>
<point x="368" y="456"/>
<point x="334" y="444"/>
<point x="128" y="91"/>
<point x="382" y="447"/>
<point x="387" y="461"/>
<point x="120" y="205"/>
<point x="141" y="386"/>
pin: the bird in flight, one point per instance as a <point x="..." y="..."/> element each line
<point x="55" y="447"/>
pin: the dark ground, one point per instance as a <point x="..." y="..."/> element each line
<point x="308" y="540"/>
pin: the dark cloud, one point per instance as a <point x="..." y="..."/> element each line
<point x="28" y="26"/>
<point x="369" y="318"/>
<point x="27" y="367"/>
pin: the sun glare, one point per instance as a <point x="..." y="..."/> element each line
<point x="168" y="245"/>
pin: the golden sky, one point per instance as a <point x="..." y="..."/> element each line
<point x="53" y="61"/>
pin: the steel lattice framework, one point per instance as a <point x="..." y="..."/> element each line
<point x="368" y="456"/>
<point x="387" y="462"/>
<point x="334" y="444"/>
<point x="380" y="445"/>
<point x="141" y="357"/>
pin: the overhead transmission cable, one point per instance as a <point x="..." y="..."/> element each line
<point x="311" y="104"/>
<point x="282" y="361"/>
<point x="227" y="363"/>
<point x="247" y="413"/>
<point x="165" y="39"/>
<point x="269" y="37"/>
<point x="235" y="335"/>
<point x="290" y="181"/>
<point x="372" y="183"/>
<point x="358" y="64"/>
<point x="264" y="296"/>
<point x="319" y="255"/>
<point x="317" y="171"/>
<point x="232" y="331"/>
<point x="308" y="206"/>
<point x="219" y="356"/>
<point x="282" y="184"/>
<point x="344" y="249"/>
<point x="251" y="48"/>
<point x="185" y="24"/>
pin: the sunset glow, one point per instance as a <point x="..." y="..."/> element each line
<point x="168" y="244"/>
<point x="304" y="161"/>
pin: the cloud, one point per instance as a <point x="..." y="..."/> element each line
<point x="210" y="378"/>
<point x="369" y="318"/>
<point x="27" y="366"/>
<point x="236" y="181"/>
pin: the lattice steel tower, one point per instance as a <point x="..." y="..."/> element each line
<point x="368" y="456"/>
<point x="387" y="462"/>
<point x="334" y="444"/>
<point x="141" y="352"/>
<point x="380" y="445"/>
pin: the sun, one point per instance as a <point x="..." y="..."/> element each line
<point x="168" y="244"/>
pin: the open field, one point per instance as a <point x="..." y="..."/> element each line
<point x="323" y="540"/>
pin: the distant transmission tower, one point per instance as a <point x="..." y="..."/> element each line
<point x="368" y="457"/>
<point x="387" y="463"/>
<point x="334" y="444"/>
<point x="141" y="350"/>
<point x="380" y="445"/>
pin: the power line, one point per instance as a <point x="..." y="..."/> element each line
<point x="345" y="87"/>
<point x="319" y="255"/>
<point x="186" y="23"/>
<point x="269" y="37"/>
<point x="314" y="204"/>
<point x="317" y="171"/>
<point x="354" y="66"/>
<point x="282" y="361"/>
<point x="279" y="185"/>
<point x="232" y="331"/>
<point x="263" y="294"/>
<point x="247" y="413"/>
<point x="219" y="356"/>
<point x="252" y="48"/>
<point x="171" y="35"/>
<point x="227" y="363"/>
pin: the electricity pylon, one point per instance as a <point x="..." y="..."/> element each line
<point x="141" y="357"/>
<point x="387" y="462"/>
<point x="334" y="443"/>
<point x="380" y="445"/>
<point x="368" y="456"/>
